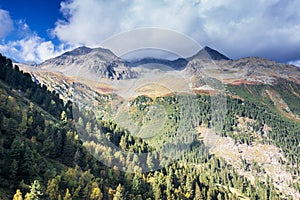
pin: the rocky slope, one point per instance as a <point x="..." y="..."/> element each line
<point x="256" y="161"/>
<point x="89" y="63"/>
<point x="251" y="70"/>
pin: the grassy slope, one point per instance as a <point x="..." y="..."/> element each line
<point x="288" y="91"/>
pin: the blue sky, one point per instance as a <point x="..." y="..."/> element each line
<point x="40" y="15"/>
<point x="36" y="30"/>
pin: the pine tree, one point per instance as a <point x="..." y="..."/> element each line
<point x="14" y="166"/>
<point x="220" y="197"/>
<point x="169" y="189"/>
<point x="123" y="143"/>
<point x="136" y="185"/>
<point x="189" y="186"/>
<point x="157" y="186"/>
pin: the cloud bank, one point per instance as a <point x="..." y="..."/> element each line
<point x="253" y="28"/>
<point x="265" y="28"/>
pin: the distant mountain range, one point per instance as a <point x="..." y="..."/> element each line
<point x="99" y="69"/>
<point x="102" y="63"/>
<point x="105" y="64"/>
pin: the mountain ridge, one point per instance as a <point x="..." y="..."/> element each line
<point x="102" y="64"/>
<point x="204" y="53"/>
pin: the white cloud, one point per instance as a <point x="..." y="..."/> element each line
<point x="240" y="28"/>
<point x="90" y="21"/>
<point x="266" y="28"/>
<point x="296" y="63"/>
<point x="6" y="23"/>
<point x="31" y="48"/>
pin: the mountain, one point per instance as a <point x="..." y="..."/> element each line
<point x="102" y="63"/>
<point x="97" y="70"/>
<point x="259" y="70"/>
<point x="77" y="52"/>
<point x="103" y="54"/>
<point x="94" y="64"/>
<point x="208" y="53"/>
<point x="251" y="70"/>
<point x="55" y="130"/>
<point x="86" y="62"/>
<point x="40" y="153"/>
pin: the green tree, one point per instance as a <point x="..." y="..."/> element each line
<point x="123" y="143"/>
<point x="14" y="166"/>
<point x="136" y="185"/>
<point x="27" y="164"/>
<point x="220" y="197"/>
<point x="76" y="193"/>
<point x="169" y="189"/>
<point x="157" y="185"/>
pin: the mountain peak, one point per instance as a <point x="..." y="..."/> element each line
<point x="92" y="62"/>
<point x="83" y="50"/>
<point x="105" y="52"/>
<point x="78" y="51"/>
<point x="209" y="53"/>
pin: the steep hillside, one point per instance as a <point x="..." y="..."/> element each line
<point x="161" y="110"/>
<point x="42" y="156"/>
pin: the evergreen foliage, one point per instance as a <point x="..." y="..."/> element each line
<point x="42" y="157"/>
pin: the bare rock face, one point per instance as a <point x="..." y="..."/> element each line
<point x="93" y="63"/>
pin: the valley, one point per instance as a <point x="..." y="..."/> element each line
<point x="237" y="121"/>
